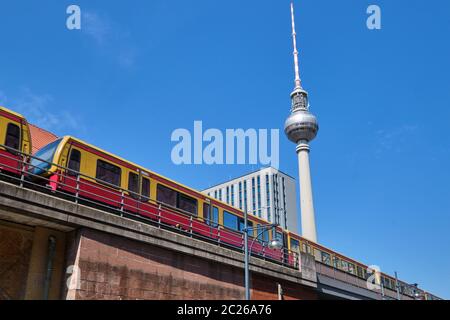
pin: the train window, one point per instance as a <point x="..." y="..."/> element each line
<point x="306" y="248"/>
<point x="215" y="217"/>
<point x="187" y="204"/>
<point x="295" y="245"/>
<point x="74" y="162"/>
<point x="351" y="268"/>
<point x="318" y="254"/>
<point x="263" y="236"/>
<point x="359" y="272"/>
<point x="166" y="195"/>
<point x="108" y="173"/>
<point x="279" y="236"/>
<point x="326" y="258"/>
<point x="211" y="220"/>
<point x="337" y="263"/>
<point x="207" y="213"/>
<point x="241" y="226"/>
<point x="133" y="185"/>
<point x="344" y="265"/>
<point x="230" y="220"/>
<point x="145" y="189"/>
<point x="12" y="139"/>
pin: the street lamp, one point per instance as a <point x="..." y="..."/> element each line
<point x="273" y="244"/>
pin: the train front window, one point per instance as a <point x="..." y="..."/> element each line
<point x="43" y="158"/>
<point x="12" y="139"/>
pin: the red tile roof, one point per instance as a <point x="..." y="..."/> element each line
<point x="40" y="137"/>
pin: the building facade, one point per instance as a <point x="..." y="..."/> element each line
<point x="267" y="193"/>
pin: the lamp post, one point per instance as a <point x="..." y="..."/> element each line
<point x="274" y="243"/>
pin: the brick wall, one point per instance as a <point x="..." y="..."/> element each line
<point x="112" y="267"/>
<point x="15" y="250"/>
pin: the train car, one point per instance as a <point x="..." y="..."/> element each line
<point x="15" y="141"/>
<point x="331" y="259"/>
<point x="72" y="166"/>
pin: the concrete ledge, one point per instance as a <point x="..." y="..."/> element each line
<point x="34" y="208"/>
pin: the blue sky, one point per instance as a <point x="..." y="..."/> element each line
<point x="135" y="72"/>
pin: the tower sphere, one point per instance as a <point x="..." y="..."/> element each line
<point x="301" y="125"/>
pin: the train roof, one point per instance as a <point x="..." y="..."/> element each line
<point x="12" y="112"/>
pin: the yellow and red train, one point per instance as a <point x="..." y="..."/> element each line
<point x="71" y="166"/>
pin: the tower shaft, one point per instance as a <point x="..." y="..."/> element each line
<point x="306" y="198"/>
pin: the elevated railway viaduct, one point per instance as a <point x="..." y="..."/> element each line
<point x="52" y="248"/>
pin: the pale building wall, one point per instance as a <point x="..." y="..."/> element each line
<point x="282" y="205"/>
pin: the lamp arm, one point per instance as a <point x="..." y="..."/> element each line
<point x="253" y="241"/>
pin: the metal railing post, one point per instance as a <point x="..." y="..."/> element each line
<point x="159" y="216"/>
<point x="122" y="202"/>
<point x="77" y="192"/>
<point x="218" y="235"/>
<point x="22" y="174"/>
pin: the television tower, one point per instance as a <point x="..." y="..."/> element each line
<point x="301" y="127"/>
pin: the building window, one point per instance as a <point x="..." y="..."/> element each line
<point x="259" y="195"/>
<point x="240" y="195"/>
<point x="232" y="195"/>
<point x="269" y="218"/>
<point x="253" y="196"/>
<point x="220" y="194"/>
<point x="228" y="195"/>
<point x="108" y="173"/>
<point x="74" y="162"/>
<point x="245" y="197"/>
<point x="215" y="194"/>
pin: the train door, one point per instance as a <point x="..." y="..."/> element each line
<point x="133" y="192"/>
<point x="71" y="160"/>
<point x="11" y="142"/>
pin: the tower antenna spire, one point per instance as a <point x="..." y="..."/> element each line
<point x="298" y="82"/>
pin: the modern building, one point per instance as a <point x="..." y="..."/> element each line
<point x="267" y="193"/>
